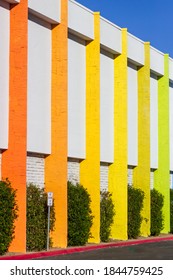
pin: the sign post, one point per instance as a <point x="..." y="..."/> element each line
<point x="49" y="204"/>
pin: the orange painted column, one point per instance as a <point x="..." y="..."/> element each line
<point x="56" y="163"/>
<point x="14" y="158"/>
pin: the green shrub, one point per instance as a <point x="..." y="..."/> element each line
<point x="107" y="213"/>
<point x="135" y="205"/>
<point x="37" y="218"/>
<point x="8" y="214"/>
<point x="171" y="210"/>
<point x="80" y="217"/>
<point x="157" y="222"/>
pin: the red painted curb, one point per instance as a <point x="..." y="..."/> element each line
<point x="84" y="249"/>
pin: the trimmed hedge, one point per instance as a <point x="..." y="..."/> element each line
<point x="171" y="210"/>
<point x="8" y="214"/>
<point x="107" y="213"/>
<point x="157" y="222"/>
<point x="37" y="218"/>
<point x="135" y="205"/>
<point x="80" y="217"/>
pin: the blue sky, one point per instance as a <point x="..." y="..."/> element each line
<point x="149" y="20"/>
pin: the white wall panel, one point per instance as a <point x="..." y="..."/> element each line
<point x="110" y="36"/>
<point x="171" y="124"/>
<point x="4" y="73"/>
<point x="12" y="1"/>
<point x="171" y="69"/>
<point x="107" y="107"/>
<point x="39" y="86"/>
<point x="156" y="61"/>
<point x="135" y="50"/>
<point x="76" y="97"/>
<point x="49" y="10"/>
<point x="153" y="121"/>
<point x="132" y="115"/>
<point x="80" y="20"/>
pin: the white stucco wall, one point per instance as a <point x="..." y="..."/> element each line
<point x="73" y="170"/>
<point x="49" y="10"/>
<point x="171" y="69"/>
<point x="76" y="97"/>
<point x="35" y="169"/>
<point x="39" y="86"/>
<point x="135" y="50"/>
<point x="80" y="20"/>
<point x="12" y="1"/>
<point x="106" y="107"/>
<point x="156" y="61"/>
<point x="171" y="124"/>
<point x="132" y="115"/>
<point x="153" y="121"/>
<point x="110" y="36"/>
<point x="4" y="73"/>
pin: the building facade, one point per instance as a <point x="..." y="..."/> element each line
<point x="82" y="99"/>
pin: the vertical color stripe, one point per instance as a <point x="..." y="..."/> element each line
<point x="161" y="175"/>
<point x="142" y="171"/>
<point x="14" y="159"/>
<point x="118" y="170"/>
<point x="56" y="163"/>
<point x="90" y="167"/>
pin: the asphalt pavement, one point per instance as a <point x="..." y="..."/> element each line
<point x="148" y="251"/>
<point x="143" y="248"/>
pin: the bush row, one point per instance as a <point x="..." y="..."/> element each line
<point x="80" y="218"/>
<point x="135" y="206"/>
<point x="8" y="214"/>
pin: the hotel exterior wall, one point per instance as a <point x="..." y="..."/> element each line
<point x="47" y="10"/>
<point x="35" y="170"/>
<point x="12" y="1"/>
<point x="171" y="69"/>
<point x="153" y="121"/>
<point x="106" y="107"/>
<point x="0" y="164"/>
<point x="135" y="50"/>
<point x="104" y="170"/>
<point x="73" y="170"/>
<point x="80" y="20"/>
<point x="132" y="118"/>
<point x="171" y="124"/>
<point x="156" y="61"/>
<point x="39" y="86"/>
<point x="4" y="73"/>
<point x="110" y="36"/>
<point x="53" y="169"/>
<point x="76" y="97"/>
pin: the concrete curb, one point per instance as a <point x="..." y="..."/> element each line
<point x="30" y="256"/>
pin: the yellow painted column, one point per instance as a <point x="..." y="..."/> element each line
<point x="56" y="163"/>
<point x="118" y="170"/>
<point x="141" y="174"/>
<point x="161" y="175"/>
<point x="90" y="167"/>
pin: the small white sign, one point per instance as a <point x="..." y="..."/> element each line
<point x="50" y="194"/>
<point x="49" y="202"/>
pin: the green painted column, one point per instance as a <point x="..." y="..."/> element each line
<point x="161" y="175"/>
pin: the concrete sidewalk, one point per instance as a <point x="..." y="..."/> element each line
<point x="88" y="247"/>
